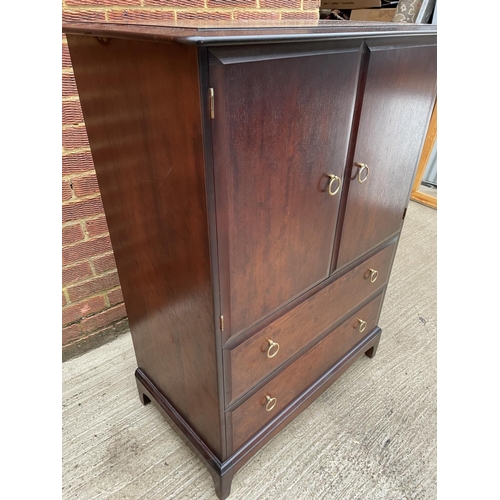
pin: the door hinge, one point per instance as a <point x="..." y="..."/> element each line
<point x="404" y="213"/>
<point x="212" y="104"/>
<point x="221" y="317"/>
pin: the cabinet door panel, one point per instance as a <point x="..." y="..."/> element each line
<point x="280" y="126"/>
<point x="400" y="89"/>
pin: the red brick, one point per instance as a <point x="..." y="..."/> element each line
<point x="103" y="319"/>
<point x="311" y="4"/>
<point x="98" y="284"/>
<point x="66" y="58"/>
<point x="78" y="272"/>
<point x="64" y="301"/>
<point x="232" y="3"/>
<point x="85" y="250"/>
<point x="72" y="113"/>
<point x="75" y="138"/>
<point x="104" y="263"/>
<point x="203" y="14"/>
<point x="66" y="190"/>
<point x="83" y="16"/>
<point x="76" y="163"/>
<point x="96" y="226"/>
<point x="280" y="4"/>
<point x="72" y="234"/>
<point x="255" y="14"/>
<point x="81" y="209"/>
<point x="83" y="186"/>
<point x="69" y="85"/>
<point x="141" y="15"/>
<point x="102" y="3"/>
<point x="71" y="332"/>
<point x="300" y="15"/>
<point x="115" y="296"/>
<point x="175" y="3"/>
<point x="75" y="312"/>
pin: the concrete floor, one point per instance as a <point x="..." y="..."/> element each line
<point x="431" y="191"/>
<point x="371" y="435"/>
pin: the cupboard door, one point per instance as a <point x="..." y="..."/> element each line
<point x="281" y="124"/>
<point x="399" y="93"/>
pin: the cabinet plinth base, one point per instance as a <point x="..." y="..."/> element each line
<point x="223" y="472"/>
<point x="373" y="350"/>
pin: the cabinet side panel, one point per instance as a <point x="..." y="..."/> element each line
<point x="142" y="110"/>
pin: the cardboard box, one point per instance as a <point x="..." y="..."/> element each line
<point x="378" y="15"/>
<point x="349" y="4"/>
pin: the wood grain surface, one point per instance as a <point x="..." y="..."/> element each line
<point x="371" y="435"/>
<point x="232" y="215"/>
<point x="203" y="32"/>
<point x="149" y="166"/>
<point x="280" y="127"/>
<point x="249" y="362"/>
<point x="400" y="90"/>
<point x="285" y="387"/>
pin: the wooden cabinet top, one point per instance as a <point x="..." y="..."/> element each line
<point x="243" y="32"/>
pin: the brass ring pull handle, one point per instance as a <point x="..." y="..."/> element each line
<point x="373" y="275"/>
<point x="272" y="345"/>
<point x="334" y="178"/>
<point x="270" y="401"/>
<point x="363" y="167"/>
<point x="361" y="325"/>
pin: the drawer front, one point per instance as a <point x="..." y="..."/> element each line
<point x="267" y="402"/>
<point x="258" y="356"/>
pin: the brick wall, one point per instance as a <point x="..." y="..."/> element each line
<point x="92" y="302"/>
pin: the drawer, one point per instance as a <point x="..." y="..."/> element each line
<point x="258" y="410"/>
<point x="258" y="356"/>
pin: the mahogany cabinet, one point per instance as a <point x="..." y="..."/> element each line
<point x="254" y="181"/>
